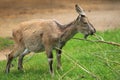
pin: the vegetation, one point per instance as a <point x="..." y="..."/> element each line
<point x="5" y="43"/>
<point x="103" y="60"/>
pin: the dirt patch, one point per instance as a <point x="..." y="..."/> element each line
<point x="102" y="20"/>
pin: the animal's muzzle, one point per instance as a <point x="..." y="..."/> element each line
<point x="93" y="31"/>
<point x="90" y="33"/>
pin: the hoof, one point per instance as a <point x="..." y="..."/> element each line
<point x="7" y="71"/>
<point x="20" y="68"/>
<point x="52" y="74"/>
<point x="60" y="68"/>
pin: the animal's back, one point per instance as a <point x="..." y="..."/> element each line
<point x="32" y="33"/>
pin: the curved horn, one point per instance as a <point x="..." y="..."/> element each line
<point x="79" y="10"/>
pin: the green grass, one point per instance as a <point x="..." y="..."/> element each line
<point x="101" y="59"/>
<point x="5" y="43"/>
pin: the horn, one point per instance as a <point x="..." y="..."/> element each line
<point x="79" y="10"/>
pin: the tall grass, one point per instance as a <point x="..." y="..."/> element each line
<point x="101" y="59"/>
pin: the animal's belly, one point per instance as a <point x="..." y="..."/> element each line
<point x="35" y="47"/>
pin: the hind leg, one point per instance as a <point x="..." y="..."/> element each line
<point x="16" y="52"/>
<point x="9" y="60"/>
<point x="20" y="59"/>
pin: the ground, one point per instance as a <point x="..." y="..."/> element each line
<point x="103" y="16"/>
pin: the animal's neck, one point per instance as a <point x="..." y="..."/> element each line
<point x="69" y="31"/>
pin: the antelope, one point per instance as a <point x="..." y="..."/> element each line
<point x="45" y="35"/>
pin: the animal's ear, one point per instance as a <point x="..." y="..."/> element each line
<point x="79" y="10"/>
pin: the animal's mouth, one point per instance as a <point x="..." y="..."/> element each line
<point x="86" y="35"/>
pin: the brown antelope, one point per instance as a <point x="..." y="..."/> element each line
<point x="45" y="35"/>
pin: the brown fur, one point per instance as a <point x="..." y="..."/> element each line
<point x="45" y="35"/>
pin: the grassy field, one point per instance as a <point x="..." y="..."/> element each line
<point x="103" y="60"/>
<point x="5" y="43"/>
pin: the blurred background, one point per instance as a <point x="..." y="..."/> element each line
<point x="103" y="14"/>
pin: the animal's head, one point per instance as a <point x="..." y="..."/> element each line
<point x="83" y="24"/>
